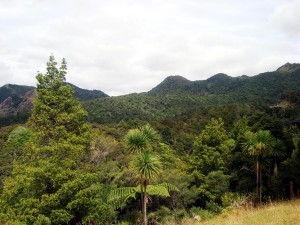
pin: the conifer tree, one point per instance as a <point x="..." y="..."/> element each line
<point x="53" y="185"/>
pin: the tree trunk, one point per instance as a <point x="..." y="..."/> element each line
<point x="275" y="168"/>
<point x="257" y="177"/>
<point x="260" y="185"/>
<point x="145" y="201"/>
<point x="292" y="190"/>
<point x="142" y="197"/>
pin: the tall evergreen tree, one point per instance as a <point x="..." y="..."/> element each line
<point x="52" y="185"/>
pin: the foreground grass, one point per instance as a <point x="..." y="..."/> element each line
<point x="272" y="214"/>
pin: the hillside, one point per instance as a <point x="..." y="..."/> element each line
<point x="219" y="157"/>
<point x="285" y="77"/>
<point x="13" y="91"/>
<point x="177" y="96"/>
<point x="85" y="95"/>
<point x="16" y="101"/>
<point x="173" y="97"/>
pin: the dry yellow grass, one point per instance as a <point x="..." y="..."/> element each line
<point x="273" y="214"/>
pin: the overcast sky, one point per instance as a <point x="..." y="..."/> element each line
<point x="126" y="46"/>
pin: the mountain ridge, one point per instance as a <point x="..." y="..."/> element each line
<point x="17" y="100"/>
<point x="176" y="95"/>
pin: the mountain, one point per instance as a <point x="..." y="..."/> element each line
<point x="85" y="95"/>
<point x="289" y="67"/>
<point x="20" y="104"/>
<point x="171" y="85"/>
<point x="219" y="83"/>
<point x="176" y="96"/>
<point x="13" y="91"/>
<point x="16" y="101"/>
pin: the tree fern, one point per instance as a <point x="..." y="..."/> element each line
<point x="119" y="196"/>
<point x="161" y="189"/>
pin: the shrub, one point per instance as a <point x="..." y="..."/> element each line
<point x="203" y="213"/>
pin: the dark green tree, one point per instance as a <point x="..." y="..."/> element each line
<point x="53" y="185"/>
<point x="212" y="148"/>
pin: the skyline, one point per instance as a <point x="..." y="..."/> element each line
<point x="123" y="47"/>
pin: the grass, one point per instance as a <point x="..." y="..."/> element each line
<point x="272" y="214"/>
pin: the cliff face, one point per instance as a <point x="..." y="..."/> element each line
<point x="289" y="67"/>
<point x="12" y="106"/>
<point x="18" y="99"/>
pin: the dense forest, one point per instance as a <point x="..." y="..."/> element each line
<point x="182" y="150"/>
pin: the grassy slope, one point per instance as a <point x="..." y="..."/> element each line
<point x="274" y="214"/>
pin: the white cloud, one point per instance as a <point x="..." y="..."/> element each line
<point x="130" y="46"/>
<point x="285" y="18"/>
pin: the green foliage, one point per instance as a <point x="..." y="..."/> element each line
<point x="135" y="141"/>
<point x="141" y="139"/>
<point x="19" y="136"/>
<point x="119" y="196"/>
<point x="54" y="174"/>
<point x="258" y="143"/>
<point x="162" y="189"/>
<point x="177" y="97"/>
<point x="203" y="213"/>
<point x="217" y="183"/>
<point x="180" y="214"/>
<point x="161" y="216"/>
<point x="212" y="148"/>
<point x="213" y="207"/>
<point x="146" y="166"/>
<point x="52" y="184"/>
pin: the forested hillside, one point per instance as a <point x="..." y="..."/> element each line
<point x="171" y="155"/>
<point x="177" y="96"/>
<point x="16" y="101"/>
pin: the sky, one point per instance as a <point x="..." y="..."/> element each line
<point x="130" y="46"/>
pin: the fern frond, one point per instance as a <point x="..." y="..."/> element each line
<point x="169" y="186"/>
<point x="119" y="196"/>
<point x="161" y="189"/>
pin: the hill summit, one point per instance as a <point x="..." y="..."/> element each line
<point x="289" y="67"/>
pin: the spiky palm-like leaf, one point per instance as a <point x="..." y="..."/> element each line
<point x="249" y="143"/>
<point x="135" y="141"/>
<point x="150" y="134"/>
<point x="146" y="165"/>
<point x="144" y="138"/>
<point x="258" y="143"/>
<point x="264" y="141"/>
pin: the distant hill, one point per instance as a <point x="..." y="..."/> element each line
<point x="16" y="101"/>
<point x="273" y="83"/>
<point x="13" y="91"/>
<point x="173" y="97"/>
<point x="85" y="95"/>
<point x="176" y="95"/>
<point x="219" y="83"/>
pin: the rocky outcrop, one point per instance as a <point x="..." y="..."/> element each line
<point x="289" y="67"/>
<point x="12" y="106"/>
